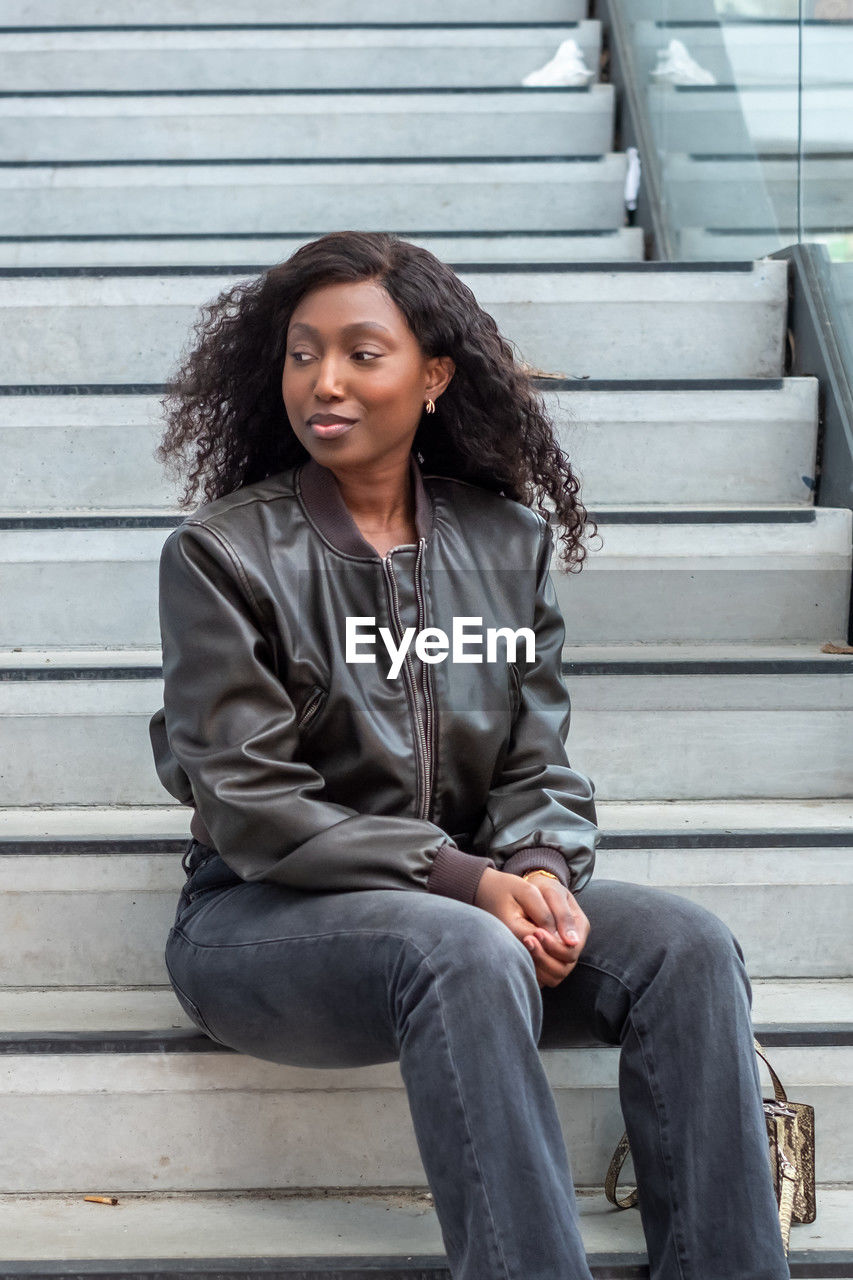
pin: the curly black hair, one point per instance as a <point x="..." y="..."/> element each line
<point x="226" y="421"/>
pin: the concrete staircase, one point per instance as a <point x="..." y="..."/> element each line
<point x="717" y="730"/>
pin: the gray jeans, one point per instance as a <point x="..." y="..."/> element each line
<point x="334" y="979"/>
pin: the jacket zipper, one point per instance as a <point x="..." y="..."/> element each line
<point x="311" y="707"/>
<point x="425" y="681"/>
<point x="423" y="753"/>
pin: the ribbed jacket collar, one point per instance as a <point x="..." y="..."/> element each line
<point x="321" y="497"/>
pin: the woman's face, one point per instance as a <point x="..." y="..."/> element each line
<point x="351" y="357"/>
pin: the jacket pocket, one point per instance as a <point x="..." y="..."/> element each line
<point x="312" y="708"/>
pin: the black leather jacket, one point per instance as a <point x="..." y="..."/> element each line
<point x="320" y="773"/>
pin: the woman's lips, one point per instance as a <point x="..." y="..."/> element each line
<point x="333" y="429"/>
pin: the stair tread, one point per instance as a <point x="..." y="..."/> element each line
<point x="802" y="1002"/>
<point x="171" y="822"/>
<point x="58" y="514"/>
<point x="278" y="1224"/>
<point x="138" y="102"/>
<point x="100" y="657"/>
<point x="239" y="36"/>
<point x="748" y="539"/>
<point x="527" y="170"/>
<point x="721" y="654"/>
<point x="206" y="249"/>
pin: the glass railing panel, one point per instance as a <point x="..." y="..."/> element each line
<point x="719" y="86"/>
<point x="826" y="175"/>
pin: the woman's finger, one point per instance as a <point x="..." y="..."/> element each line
<point x="555" y="947"/>
<point x="534" y="904"/>
<point x="549" y="972"/>
<point x="571" y="923"/>
<point x="557" y="897"/>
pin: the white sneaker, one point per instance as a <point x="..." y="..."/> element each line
<point x="675" y="66"/>
<point x="567" y="67"/>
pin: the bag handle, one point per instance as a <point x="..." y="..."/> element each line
<point x="778" y="1088"/>
<point x="619" y="1157"/>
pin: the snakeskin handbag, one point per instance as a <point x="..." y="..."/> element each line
<point x="790" y="1133"/>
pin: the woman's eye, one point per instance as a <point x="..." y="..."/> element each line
<point x="295" y="355"/>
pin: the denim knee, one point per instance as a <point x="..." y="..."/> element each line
<point x="479" y="952"/>
<point x="702" y="945"/>
<point x="708" y="936"/>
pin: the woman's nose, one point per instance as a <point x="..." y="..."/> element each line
<point x="328" y="380"/>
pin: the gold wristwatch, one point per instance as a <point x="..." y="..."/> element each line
<point x="541" y="872"/>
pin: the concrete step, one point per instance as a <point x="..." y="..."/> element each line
<point x="667" y="824"/>
<point x="727" y="722"/>
<point x="331" y="1236"/>
<point x="624" y="244"/>
<point x="283" y="199"/>
<point x="307" y="125"/>
<point x="94" y="911"/>
<point x="656" y="575"/>
<point x="284" y="57"/>
<point x="741" y="443"/>
<point x="637" y="320"/>
<point x="167" y="1108"/>
<point x="723" y="11"/>
<point x="103" y="13"/>
<point x="736" y="444"/>
<point x="104" y="874"/>
<point x="744" y="193"/>
<point x="748" y="53"/>
<point x="729" y="119"/>
<point x="789" y="1012"/>
<point x="723" y="719"/>
<point x="698" y="244"/>
<point x="740" y="577"/>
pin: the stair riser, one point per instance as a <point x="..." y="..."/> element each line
<point x="622" y="245"/>
<point x="754" y="53"/>
<point x="186" y="1122"/>
<point x="77" y="587"/>
<point x="699" y="602"/>
<point x="219" y="60"/>
<point x="697" y="244"/>
<point x="732" y="448"/>
<point x="94" y="936"/>
<point x="715" y="737"/>
<point x="709" y="194"/>
<point x="47" y="13"/>
<point x="735" y="447"/>
<point x="726" y="123"/>
<point x="685" y="10"/>
<point x="115" y="604"/>
<point x="597" y="324"/>
<point x="582" y="196"/>
<point x="285" y="127"/>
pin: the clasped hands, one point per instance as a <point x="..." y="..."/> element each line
<point x="542" y="914"/>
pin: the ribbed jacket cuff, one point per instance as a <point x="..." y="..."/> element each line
<point x="456" y="874"/>
<point x="538" y="857"/>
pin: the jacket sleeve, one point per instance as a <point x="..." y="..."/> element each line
<point x="226" y="740"/>
<point x="539" y="811"/>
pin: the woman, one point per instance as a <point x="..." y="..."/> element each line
<point x="391" y="855"/>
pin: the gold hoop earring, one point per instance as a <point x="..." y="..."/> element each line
<point x="430" y="406"/>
